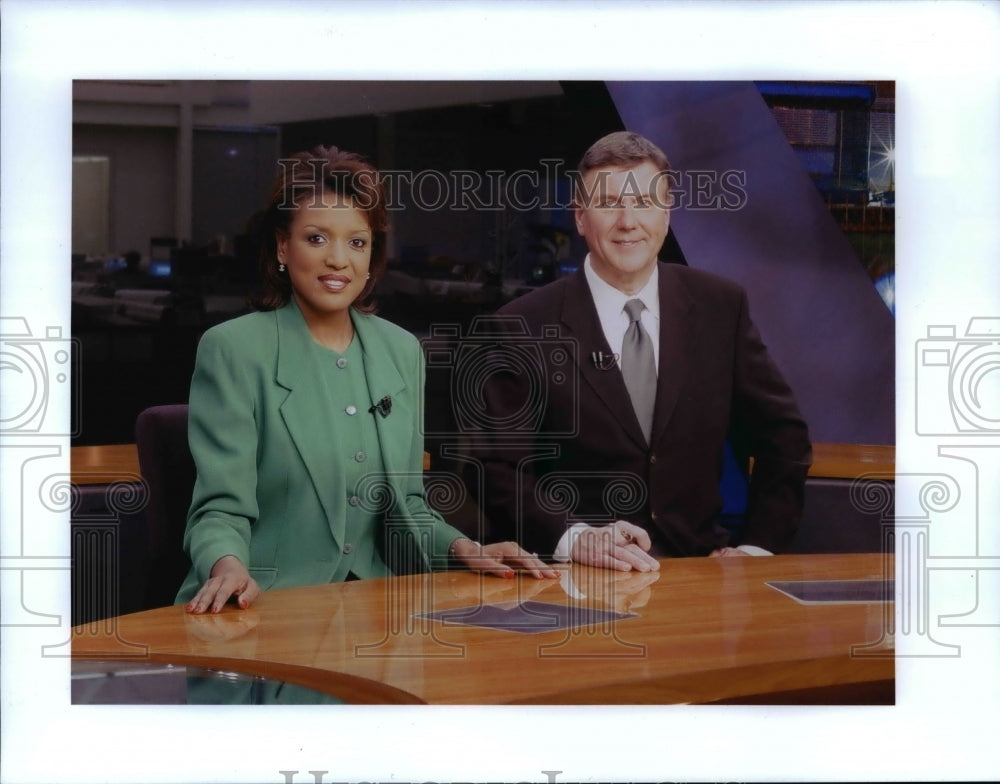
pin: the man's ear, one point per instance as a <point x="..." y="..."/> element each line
<point x="578" y="218"/>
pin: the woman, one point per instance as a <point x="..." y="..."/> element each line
<point x="304" y="416"/>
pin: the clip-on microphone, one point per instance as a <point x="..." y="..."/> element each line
<point x="384" y="406"/>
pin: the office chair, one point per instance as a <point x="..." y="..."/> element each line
<point x="168" y="468"/>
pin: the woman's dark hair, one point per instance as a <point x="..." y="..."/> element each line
<point x="306" y="178"/>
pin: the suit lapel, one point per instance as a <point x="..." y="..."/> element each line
<point x="676" y="323"/>
<point x="385" y="380"/>
<point x="307" y="413"/>
<point x="579" y="315"/>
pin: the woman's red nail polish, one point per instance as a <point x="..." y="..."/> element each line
<point x="509" y="574"/>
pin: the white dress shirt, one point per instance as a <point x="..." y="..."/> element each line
<point x="610" y="303"/>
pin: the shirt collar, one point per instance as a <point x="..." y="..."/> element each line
<point x="610" y="302"/>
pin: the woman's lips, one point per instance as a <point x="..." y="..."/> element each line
<point x="334" y="282"/>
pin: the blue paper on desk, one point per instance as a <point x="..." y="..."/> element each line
<point x="836" y="591"/>
<point x="525" y="617"/>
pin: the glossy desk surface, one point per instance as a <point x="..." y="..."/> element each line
<point x="104" y="464"/>
<point x="120" y="462"/>
<point x="849" y="461"/>
<point x="704" y="630"/>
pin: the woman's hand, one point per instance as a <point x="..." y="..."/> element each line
<point x="499" y="558"/>
<point x="229" y="578"/>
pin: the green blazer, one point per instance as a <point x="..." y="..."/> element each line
<point x="267" y="490"/>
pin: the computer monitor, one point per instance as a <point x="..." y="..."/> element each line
<point x="159" y="269"/>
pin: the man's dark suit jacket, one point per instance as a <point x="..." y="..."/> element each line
<point x="565" y="445"/>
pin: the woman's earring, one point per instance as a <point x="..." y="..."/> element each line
<point x="368" y="276"/>
<point x="281" y="266"/>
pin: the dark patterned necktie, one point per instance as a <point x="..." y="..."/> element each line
<point x="639" y="367"/>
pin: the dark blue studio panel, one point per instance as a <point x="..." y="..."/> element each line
<point x="748" y="210"/>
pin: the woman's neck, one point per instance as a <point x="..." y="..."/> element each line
<point x="335" y="332"/>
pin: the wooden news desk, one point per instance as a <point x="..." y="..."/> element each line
<point x="117" y="462"/>
<point x="104" y="464"/>
<point x="704" y="630"/>
<point x="849" y="461"/>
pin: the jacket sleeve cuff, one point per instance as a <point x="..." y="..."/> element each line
<point x="752" y="549"/>
<point x="564" y="547"/>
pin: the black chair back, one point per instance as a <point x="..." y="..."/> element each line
<point x="168" y="468"/>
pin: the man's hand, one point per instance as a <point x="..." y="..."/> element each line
<point x="621" y="545"/>
<point x="229" y="578"/>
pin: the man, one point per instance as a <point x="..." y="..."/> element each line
<point x="608" y="449"/>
